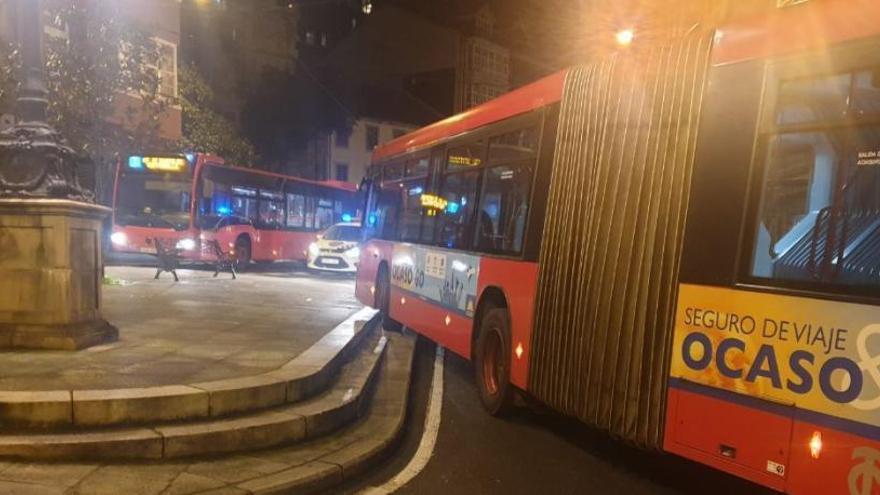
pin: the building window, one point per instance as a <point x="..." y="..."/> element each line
<point x="342" y="138"/>
<point x="166" y="67"/>
<point x="342" y="172"/>
<point x="372" y="137"/>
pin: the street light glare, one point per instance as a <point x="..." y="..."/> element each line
<point x="625" y="37"/>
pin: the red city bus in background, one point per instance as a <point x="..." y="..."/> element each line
<point x="189" y="199"/>
<point x="679" y="245"/>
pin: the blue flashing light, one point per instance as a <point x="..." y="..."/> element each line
<point x="453" y="208"/>
<point x="372" y="219"/>
<point x="136" y="162"/>
<point x="346" y="217"/>
<point x="224" y="210"/>
<point x="190" y="157"/>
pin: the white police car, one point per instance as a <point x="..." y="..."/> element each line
<point x="337" y="249"/>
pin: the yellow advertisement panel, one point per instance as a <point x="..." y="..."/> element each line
<point x="816" y="354"/>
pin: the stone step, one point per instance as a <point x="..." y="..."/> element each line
<point x="307" y="467"/>
<point x="302" y="377"/>
<point x="341" y="404"/>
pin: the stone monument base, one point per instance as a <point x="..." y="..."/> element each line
<point x="51" y="273"/>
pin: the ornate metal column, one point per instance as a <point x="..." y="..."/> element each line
<point x="50" y="229"/>
<point x="34" y="161"/>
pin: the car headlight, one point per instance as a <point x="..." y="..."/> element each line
<point x="186" y="244"/>
<point x="314" y="250"/>
<point x="354" y="252"/>
<point x="119" y="238"/>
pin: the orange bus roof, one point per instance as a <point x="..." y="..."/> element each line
<point x="525" y="99"/>
<point x="798" y="28"/>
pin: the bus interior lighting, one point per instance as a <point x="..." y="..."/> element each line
<point x="224" y="210"/>
<point x="136" y="162"/>
<point x="453" y="208"/>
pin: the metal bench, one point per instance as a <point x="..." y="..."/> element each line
<point x="167" y="258"/>
<point x="226" y="261"/>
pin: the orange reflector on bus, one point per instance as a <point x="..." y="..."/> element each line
<point x="402" y="300"/>
<point x="816" y="444"/>
<point x="519" y="350"/>
<point x="448" y="320"/>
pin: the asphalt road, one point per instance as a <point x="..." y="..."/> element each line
<point x="532" y="452"/>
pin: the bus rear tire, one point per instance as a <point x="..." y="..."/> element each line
<point x="383" y="301"/>
<point x="492" y="362"/>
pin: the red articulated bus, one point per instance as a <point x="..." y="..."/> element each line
<point x="679" y="245"/>
<point x="189" y="199"/>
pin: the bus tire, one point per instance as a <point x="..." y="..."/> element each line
<point x="242" y="252"/>
<point x="383" y="301"/>
<point x="492" y="362"/>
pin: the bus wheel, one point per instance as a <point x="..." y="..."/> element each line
<point x="242" y="253"/>
<point x="492" y="362"/>
<point x="383" y="301"/>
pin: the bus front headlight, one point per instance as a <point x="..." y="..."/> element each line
<point x="186" y="244"/>
<point x="119" y="238"/>
<point x="314" y="251"/>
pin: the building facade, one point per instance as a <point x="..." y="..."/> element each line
<point x="346" y="156"/>
<point x="483" y="67"/>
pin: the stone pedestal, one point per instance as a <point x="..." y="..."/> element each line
<point x="51" y="275"/>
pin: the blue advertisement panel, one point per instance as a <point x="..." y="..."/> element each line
<point x="445" y="278"/>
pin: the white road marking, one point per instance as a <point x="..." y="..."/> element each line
<point x="429" y="436"/>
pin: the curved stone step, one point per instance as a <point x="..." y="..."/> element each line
<point x="341" y="404"/>
<point x="303" y="377"/>
<point x="374" y="437"/>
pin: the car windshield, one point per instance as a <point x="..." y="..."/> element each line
<point x="349" y="233"/>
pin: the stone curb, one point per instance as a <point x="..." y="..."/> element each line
<point x="324" y="473"/>
<point x="340" y="405"/>
<point x="300" y="378"/>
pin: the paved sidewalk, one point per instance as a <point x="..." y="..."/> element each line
<point x="323" y="462"/>
<point x="200" y="329"/>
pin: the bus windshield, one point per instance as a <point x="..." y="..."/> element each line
<point x="156" y="200"/>
<point x="348" y="233"/>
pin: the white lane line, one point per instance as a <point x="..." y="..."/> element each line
<point x="429" y="436"/>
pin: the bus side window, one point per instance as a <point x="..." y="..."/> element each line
<point x="296" y="204"/>
<point x="429" y="222"/>
<point x="455" y="222"/>
<point x="818" y="221"/>
<point x="507" y="184"/>
<point x="387" y="212"/>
